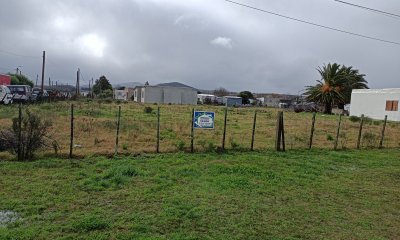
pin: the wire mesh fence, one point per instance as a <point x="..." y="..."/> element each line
<point x="95" y="129"/>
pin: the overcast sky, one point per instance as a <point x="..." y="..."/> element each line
<point x="202" y="43"/>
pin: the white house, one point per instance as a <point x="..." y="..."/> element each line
<point x="376" y="103"/>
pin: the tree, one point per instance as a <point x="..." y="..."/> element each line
<point x="335" y="86"/>
<point x="220" y="92"/>
<point x="102" y="85"/>
<point x="246" y="96"/>
<point x="19" y="79"/>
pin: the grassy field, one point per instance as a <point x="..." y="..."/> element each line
<point x="95" y="128"/>
<point x="262" y="195"/>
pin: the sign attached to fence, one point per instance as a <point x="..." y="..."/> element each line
<point x="203" y="120"/>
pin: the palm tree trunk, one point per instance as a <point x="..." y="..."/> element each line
<point x="328" y="108"/>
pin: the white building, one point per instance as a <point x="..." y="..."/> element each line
<point x="166" y="95"/>
<point x="376" y="103"/>
<point x="201" y="98"/>
<point x="121" y="94"/>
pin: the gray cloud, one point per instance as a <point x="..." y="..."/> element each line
<point x="203" y="43"/>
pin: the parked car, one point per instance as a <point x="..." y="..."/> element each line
<point x="37" y="94"/>
<point x="22" y="93"/>
<point x="6" y="96"/>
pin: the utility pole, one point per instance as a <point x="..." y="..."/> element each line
<point x="49" y="82"/>
<point x="78" y="91"/>
<point x="37" y="77"/>
<point x="43" y="65"/>
<point x="90" y="89"/>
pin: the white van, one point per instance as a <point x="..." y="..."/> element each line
<point x="5" y="95"/>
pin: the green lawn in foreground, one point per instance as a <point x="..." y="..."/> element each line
<point x="294" y="195"/>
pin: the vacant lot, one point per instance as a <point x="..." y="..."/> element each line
<point x="294" y="195"/>
<point x="95" y="128"/>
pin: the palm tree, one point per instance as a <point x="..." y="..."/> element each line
<point x="335" y="86"/>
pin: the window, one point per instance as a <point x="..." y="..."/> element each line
<point x="392" y="105"/>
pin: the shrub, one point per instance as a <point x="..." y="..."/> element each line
<point x="180" y="145"/>
<point x="329" y="137"/>
<point x="370" y="139"/>
<point x="148" y="110"/>
<point x="34" y="136"/>
<point x="354" y="118"/>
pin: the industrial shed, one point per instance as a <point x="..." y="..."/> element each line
<point x="376" y="103"/>
<point x="232" y="101"/>
<point x="168" y="95"/>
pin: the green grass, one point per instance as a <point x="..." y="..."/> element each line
<point x="260" y="195"/>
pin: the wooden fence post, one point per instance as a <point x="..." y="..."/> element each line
<point x="338" y="132"/>
<point x="20" y="157"/>
<point x="158" y="130"/>
<point x="360" y="131"/>
<point x="383" y="132"/>
<point x="283" y="133"/>
<point x="118" y="125"/>
<point x="224" y="134"/>
<point x="71" y="144"/>
<point x="312" y="130"/>
<point x="192" y="132"/>
<point x="254" y="130"/>
<point x="280" y="133"/>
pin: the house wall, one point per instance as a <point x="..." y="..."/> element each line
<point x="121" y="94"/>
<point x="372" y="103"/>
<point x="169" y="95"/>
<point x="228" y="101"/>
<point x="137" y="94"/>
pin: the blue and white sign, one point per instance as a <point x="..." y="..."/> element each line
<point x="203" y="120"/>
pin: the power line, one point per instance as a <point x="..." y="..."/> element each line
<point x="370" y="9"/>
<point x="314" y="24"/>
<point x="17" y="55"/>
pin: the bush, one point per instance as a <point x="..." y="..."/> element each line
<point x="148" y="110"/>
<point x="370" y="139"/>
<point x="329" y="137"/>
<point x="354" y="118"/>
<point x="180" y="145"/>
<point x="34" y="136"/>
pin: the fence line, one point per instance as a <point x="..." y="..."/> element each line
<point x="133" y="128"/>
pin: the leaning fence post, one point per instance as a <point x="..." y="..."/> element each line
<point x="254" y="130"/>
<point x="224" y="134"/>
<point x="192" y="132"/>
<point x="158" y="130"/>
<point x="383" y="132"/>
<point x="360" y="131"/>
<point x="118" y="125"/>
<point x="71" y="145"/>
<point x="20" y="132"/>
<point x="338" y="132"/>
<point x="312" y="130"/>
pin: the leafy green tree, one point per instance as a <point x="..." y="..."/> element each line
<point x="102" y="86"/>
<point x="246" y="96"/>
<point x="335" y="86"/>
<point x="19" y="79"/>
